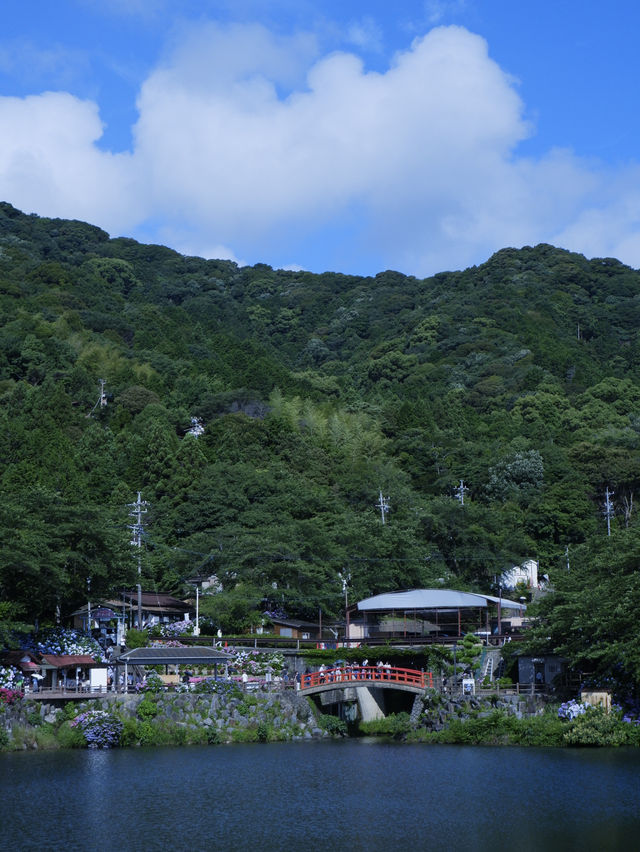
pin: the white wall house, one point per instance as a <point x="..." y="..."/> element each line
<point x="527" y="574"/>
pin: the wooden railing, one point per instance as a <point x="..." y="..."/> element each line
<point x="370" y="674"/>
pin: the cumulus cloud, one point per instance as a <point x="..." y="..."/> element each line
<point x="49" y="163"/>
<point x="223" y="148"/>
<point x="247" y="140"/>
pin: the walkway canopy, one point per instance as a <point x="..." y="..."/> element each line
<point x="170" y="655"/>
<point x="165" y="655"/>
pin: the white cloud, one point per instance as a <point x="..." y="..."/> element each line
<point x="416" y="147"/>
<point x="50" y="165"/>
<point x="365" y="34"/>
<point x="437" y="10"/>
<point x="24" y="60"/>
<point x="247" y="140"/>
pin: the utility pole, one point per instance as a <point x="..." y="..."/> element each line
<point x="384" y="506"/>
<point x="138" y="509"/>
<point x="102" y="398"/>
<point x="89" y="605"/>
<point x="196" y="629"/>
<point x="459" y="492"/>
<point x="346" y="578"/>
<point x="608" y="511"/>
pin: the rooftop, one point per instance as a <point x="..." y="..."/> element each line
<point x="427" y="599"/>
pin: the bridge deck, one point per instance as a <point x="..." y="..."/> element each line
<point x="342" y="677"/>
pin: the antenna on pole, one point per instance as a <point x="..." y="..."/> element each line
<point x="196" y="429"/>
<point x="384" y="506"/>
<point x="138" y="509"/>
<point x="608" y="511"/>
<point x="459" y="492"/>
<point x="102" y="399"/>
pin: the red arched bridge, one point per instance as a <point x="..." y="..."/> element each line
<point x="387" y="677"/>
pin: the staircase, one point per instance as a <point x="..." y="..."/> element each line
<point x="490" y="664"/>
<point x="488" y="668"/>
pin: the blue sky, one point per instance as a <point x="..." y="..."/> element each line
<point x="351" y="136"/>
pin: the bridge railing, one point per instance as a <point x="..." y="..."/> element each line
<point x="370" y="674"/>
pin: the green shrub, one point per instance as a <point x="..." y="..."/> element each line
<point x="4" y="738"/>
<point x="129" y="735"/>
<point x="244" y="735"/>
<point x="596" y="727"/>
<point x="393" y="725"/>
<point x="213" y="736"/>
<point x="136" y="638"/>
<point x="46" y="737"/>
<point x="263" y="732"/>
<point x="70" y="711"/>
<point x="34" y="718"/>
<point x="332" y="725"/>
<point x="69" y="737"/>
<point x="147" y="733"/>
<point x="544" y="730"/>
<point x="147" y="709"/>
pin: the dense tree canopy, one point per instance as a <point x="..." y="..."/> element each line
<point x="520" y="378"/>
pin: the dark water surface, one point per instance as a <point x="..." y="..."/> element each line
<point x="353" y="795"/>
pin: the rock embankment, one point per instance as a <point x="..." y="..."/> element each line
<point x="434" y="711"/>
<point x="166" y="718"/>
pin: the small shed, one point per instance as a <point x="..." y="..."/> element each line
<point x="295" y="628"/>
<point x="543" y="670"/>
<point x="68" y="671"/>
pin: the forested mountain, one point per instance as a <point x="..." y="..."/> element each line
<point x="520" y="376"/>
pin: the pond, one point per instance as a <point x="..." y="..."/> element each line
<point x="346" y="795"/>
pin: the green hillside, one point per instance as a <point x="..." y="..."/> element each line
<point x="520" y="376"/>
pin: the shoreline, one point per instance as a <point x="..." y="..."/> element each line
<point x="215" y="718"/>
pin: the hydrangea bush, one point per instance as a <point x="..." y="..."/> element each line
<point x="99" y="728"/>
<point x="256" y="664"/>
<point x="152" y="683"/>
<point x="572" y="709"/>
<point x="173" y="630"/>
<point x="9" y="676"/>
<point x="9" y="696"/>
<point x="61" y="641"/>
